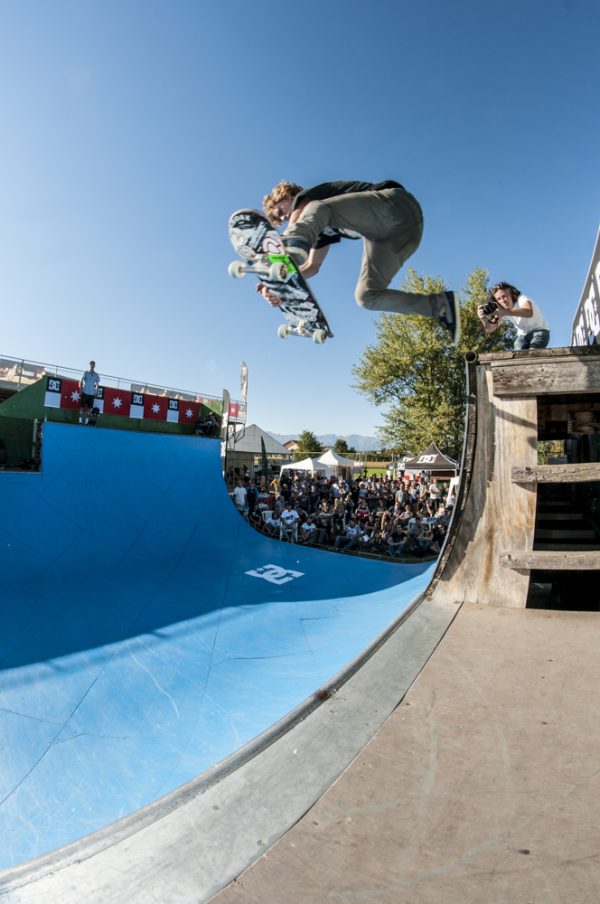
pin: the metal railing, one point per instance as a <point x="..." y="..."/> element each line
<point x="19" y="373"/>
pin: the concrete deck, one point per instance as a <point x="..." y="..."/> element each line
<point x="482" y="786"/>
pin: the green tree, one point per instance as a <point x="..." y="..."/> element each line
<point x="308" y="445"/>
<point x="341" y="447"/>
<point x="549" y="448"/>
<point x="418" y="377"/>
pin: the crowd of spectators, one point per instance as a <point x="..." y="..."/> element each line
<point x="379" y="515"/>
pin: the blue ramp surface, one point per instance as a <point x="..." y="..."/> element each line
<point x="146" y="631"/>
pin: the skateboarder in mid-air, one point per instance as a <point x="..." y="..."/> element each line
<point x="389" y="220"/>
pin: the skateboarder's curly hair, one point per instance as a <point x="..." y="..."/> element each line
<point x="282" y="190"/>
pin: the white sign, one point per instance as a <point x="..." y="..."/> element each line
<point x="274" y="574"/>
<point x="586" y="326"/>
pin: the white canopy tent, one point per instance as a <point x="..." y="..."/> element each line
<point x="307" y="464"/>
<point x="333" y="463"/>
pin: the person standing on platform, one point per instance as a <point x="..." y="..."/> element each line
<point x="89" y="384"/>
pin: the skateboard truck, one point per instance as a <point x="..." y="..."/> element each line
<point x="276" y="267"/>
<point x="286" y="329"/>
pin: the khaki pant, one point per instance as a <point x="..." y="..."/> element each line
<point x="391" y="224"/>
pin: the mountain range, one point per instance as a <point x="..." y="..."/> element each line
<point x="354" y="440"/>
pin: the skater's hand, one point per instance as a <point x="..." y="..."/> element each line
<point x="273" y="299"/>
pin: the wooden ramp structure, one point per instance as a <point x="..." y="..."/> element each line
<point x="500" y="536"/>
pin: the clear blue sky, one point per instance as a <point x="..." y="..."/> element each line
<point x="131" y="129"/>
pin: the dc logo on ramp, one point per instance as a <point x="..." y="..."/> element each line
<point x="274" y="574"/>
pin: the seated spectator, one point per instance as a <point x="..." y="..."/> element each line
<point x="362" y="511"/>
<point x="406" y="515"/>
<point x="397" y="541"/>
<point x="289" y="523"/>
<point x="207" y="426"/>
<point x="443" y="515"/>
<point x="273" y="525"/>
<point x="255" y="520"/>
<point x="308" y="532"/>
<point x="350" y="538"/>
<point x="368" y="536"/>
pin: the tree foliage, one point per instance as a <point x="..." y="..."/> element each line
<point x="341" y="447"/>
<point x="418" y="376"/>
<point x="308" y="445"/>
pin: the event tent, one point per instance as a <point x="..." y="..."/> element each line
<point x="334" y="462"/>
<point x="253" y="439"/>
<point x="307" y="464"/>
<point x="432" y="460"/>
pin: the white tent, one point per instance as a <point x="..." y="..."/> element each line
<point x="307" y="464"/>
<point x="333" y="462"/>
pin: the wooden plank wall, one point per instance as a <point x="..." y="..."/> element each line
<point x="499" y="515"/>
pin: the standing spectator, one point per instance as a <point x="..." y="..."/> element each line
<point x="88" y="385"/>
<point x="325" y="523"/>
<point x="505" y="300"/>
<point x="239" y="497"/>
<point x="251" y="496"/>
<point x="435" y="493"/>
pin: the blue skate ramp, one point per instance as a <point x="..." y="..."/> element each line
<point x="146" y="631"/>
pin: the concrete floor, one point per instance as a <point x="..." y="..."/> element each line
<point x="482" y="786"/>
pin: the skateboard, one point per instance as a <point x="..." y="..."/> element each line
<point x="263" y="253"/>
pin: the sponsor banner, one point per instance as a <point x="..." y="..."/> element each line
<point x="136" y="408"/>
<point x="586" y="325"/>
<point x="65" y="393"/>
<point x="62" y="393"/>
<point x="52" y="399"/>
<point x="116" y="401"/>
<point x="155" y="407"/>
<point x="189" y="412"/>
<point x="70" y="396"/>
<point x="173" y="411"/>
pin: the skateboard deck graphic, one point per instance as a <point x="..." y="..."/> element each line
<point x="262" y="252"/>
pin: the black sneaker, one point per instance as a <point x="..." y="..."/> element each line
<point x="450" y="317"/>
<point x="297" y="248"/>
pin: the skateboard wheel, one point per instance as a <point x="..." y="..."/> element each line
<point x="237" y="269"/>
<point x="319" y="336"/>
<point x="284" y="331"/>
<point x="278" y="272"/>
